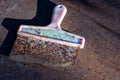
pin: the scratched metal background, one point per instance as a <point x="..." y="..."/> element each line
<point x="97" y="20"/>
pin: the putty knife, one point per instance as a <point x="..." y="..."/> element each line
<point x="47" y="45"/>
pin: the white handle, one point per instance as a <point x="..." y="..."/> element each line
<point x="58" y="15"/>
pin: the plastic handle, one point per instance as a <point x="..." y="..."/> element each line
<point x="58" y="15"/>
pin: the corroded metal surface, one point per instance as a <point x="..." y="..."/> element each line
<point x="99" y="60"/>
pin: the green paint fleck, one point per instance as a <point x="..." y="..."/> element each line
<point x="50" y="33"/>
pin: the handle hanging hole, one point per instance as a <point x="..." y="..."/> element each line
<point x="60" y="6"/>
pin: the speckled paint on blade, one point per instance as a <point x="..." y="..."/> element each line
<point x="52" y="33"/>
<point x="31" y="50"/>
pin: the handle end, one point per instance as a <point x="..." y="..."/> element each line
<point x="58" y="15"/>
